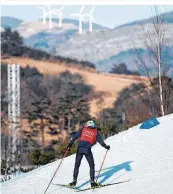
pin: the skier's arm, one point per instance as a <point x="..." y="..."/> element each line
<point x="101" y="142"/>
<point x="76" y="135"/>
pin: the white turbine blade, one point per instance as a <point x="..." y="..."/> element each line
<point x="81" y="9"/>
<point x="43" y="8"/>
<point x="92" y="10"/>
<point x="62" y="7"/>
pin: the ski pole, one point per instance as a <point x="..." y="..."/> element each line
<point x="101" y="165"/>
<point x="57" y="169"/>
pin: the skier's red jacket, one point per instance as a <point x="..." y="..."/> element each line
<point x="87" y="137"/>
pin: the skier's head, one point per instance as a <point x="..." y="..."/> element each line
<point x="90" y="124"/>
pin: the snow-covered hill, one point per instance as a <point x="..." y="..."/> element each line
<point x="100" y="46"/>
<point x="143" y="156"/>
<point x="106" y="48"/>
<point x="38" y="35"/>
<point x="29" y="29"/>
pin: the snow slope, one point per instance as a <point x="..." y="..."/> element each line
<point x="144" y="156"/>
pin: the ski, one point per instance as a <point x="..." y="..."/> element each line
<point x="67" y="186"/>
<point x="104" y="185"/>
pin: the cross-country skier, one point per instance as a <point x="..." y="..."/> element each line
<point x="88" y="135"/>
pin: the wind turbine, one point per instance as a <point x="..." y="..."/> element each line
<point x="44" y="12"/>
<point x="60" y="15"/>
<point x="81" y="18"/>
<point x="91" y="19"/>
<point x="49" y="13"/>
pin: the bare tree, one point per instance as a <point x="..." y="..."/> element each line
<point x="155" y="41"/>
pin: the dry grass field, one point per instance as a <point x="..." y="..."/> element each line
<point x="108" y="84"/>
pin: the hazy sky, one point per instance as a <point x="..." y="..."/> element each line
<point x="106" y="15"/>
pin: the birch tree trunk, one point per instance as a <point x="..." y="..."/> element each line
<point x="160" y="79"/>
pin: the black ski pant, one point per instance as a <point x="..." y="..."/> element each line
<point x="89" y="156"/>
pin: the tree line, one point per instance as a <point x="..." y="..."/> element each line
<point x="12" y="44"/>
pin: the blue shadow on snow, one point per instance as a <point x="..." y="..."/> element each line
<point x="110" y="171"/>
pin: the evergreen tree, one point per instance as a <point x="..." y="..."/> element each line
<point x="11" y="42"/>
<point x="122" y="69"/>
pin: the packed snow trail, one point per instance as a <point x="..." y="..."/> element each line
<point x="143" y="156"/>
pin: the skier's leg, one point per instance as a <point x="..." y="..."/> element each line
<point x="90" y="159"/>
<point x="77" y="165"/>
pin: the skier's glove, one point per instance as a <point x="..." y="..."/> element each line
<point x="108" y="147"/>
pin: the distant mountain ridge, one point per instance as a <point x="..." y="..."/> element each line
<point x="11" y="22"/>
<point x="168" y="18"/>
<point x="39" y="36"/>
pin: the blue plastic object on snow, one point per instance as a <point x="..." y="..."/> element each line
<point x="149" y="123"/>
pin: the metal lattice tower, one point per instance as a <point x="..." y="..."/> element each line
<point x="13" y="111"/>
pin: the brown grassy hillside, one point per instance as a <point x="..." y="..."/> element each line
<point x="108" y="84"/>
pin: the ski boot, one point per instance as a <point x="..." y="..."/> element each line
<point x="73" y="184"/>
<point x="94" y="184"/>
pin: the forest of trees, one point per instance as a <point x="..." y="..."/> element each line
<point x="139" y="104"/>
<point x="57" y="102"/>
<point x="12" y="44"/>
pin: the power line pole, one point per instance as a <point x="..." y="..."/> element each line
<point x="13" y="113"/>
